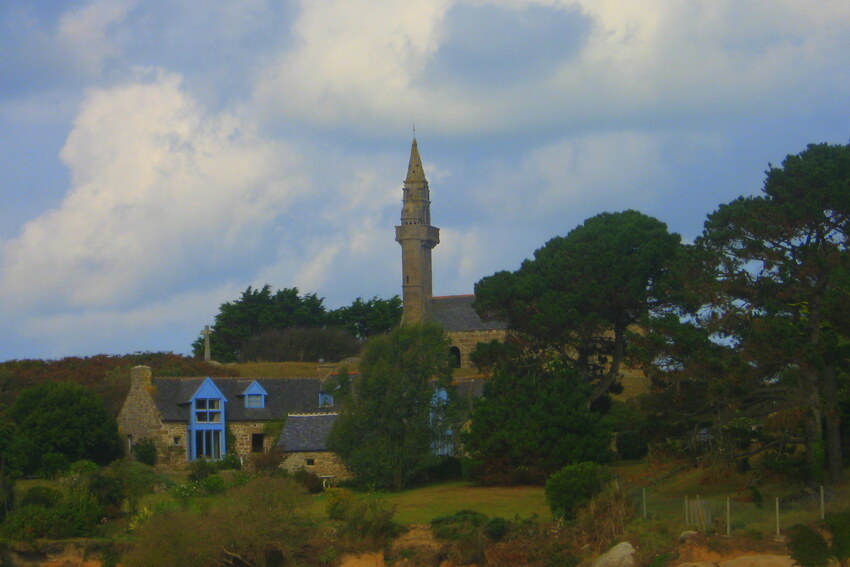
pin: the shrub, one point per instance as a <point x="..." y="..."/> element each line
<point x="29" y="522"/>
<point x="200" y="469"/>
<point x="43" y="496"/>
<point x="497" y="528"/>
<point x="338" y="502"/>
<point x="631" y="445"/>
<point x="839" y="525"/>
<point x="54" y="464"/>
<point x="573" y="485"/>
<point x="808" y="548"/>
<point x="230" y="462"/>
<point x="213" y="484"/>
<point x="369" y="524"/>
<point x="464" y="530"/>
<point x="145" y="451"/>
<point x="266" y="463"/>
<point x="310" y="481"/>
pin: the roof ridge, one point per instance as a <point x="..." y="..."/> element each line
<point x="312" y="414"/>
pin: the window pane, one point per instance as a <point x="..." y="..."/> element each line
<point x="214" y="417"/>
<point x="213" y="404"/>
<point x="201" y="404"/>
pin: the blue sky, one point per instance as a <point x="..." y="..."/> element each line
<point x="158" y="157"/>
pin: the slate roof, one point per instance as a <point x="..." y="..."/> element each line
<point x="286" y="395"/>
<point x="455" y="313"/>
<point x="306" y="432"/>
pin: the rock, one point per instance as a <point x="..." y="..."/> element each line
<point x="759" y="561"/>
<point x="685" y="536"/>
<point x="621" y="555"/>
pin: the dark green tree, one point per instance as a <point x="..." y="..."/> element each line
<point x="258" y="310"/>
<point x="388" y="426"/>
<point x="576" y="299"/>
<point x="299" y="344"/>
<point x="532" y="421"/>
<point x="781" y="264"/>
<point x="366" y="319"/>
<point x="65" y="419"/>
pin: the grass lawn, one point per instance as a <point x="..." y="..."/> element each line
<point x="421" y="505"/>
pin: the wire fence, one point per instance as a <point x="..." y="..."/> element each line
<point x="762" y="514"/>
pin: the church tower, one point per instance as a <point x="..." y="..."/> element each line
<point x="417" y="237"/>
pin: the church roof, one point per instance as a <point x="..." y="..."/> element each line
<point x="455" y="313"/>
<point x="415" y="172"/>
<point x="306" y="432"/>
<point x="285" y="396"/>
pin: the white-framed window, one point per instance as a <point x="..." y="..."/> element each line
<point x="254" y="401"/>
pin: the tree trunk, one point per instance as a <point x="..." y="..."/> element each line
<point x="832" y="421"/>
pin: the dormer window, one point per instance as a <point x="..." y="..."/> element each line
<point x="255" y="395"/>
<point x="207" y="410"/>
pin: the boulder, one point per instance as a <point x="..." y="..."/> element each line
<point x="621" y="555"/>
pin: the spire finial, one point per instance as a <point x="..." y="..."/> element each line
<point x="414" y="130"/>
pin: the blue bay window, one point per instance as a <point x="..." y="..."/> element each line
<point x="206" y="438"/>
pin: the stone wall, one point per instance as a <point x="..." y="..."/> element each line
<point x="325" y="464"/>
<point x="242" y="431"/>
<point x="466" y="341"/>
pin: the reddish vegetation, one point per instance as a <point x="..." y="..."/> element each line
<point x="107" y="375"/>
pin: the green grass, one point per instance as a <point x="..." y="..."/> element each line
<point x="423" y="504"/>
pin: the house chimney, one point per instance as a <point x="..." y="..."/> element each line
<point x="140" y="376"/>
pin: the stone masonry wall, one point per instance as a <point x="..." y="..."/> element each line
<point x="242" y="431"/>
<point x="325" y="464"/>
<point x="139" y="418"/>
<point x="466" y="341"/>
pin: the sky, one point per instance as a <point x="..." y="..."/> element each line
<point x="158" y="157"/>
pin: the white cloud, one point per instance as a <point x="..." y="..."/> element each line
<point x="365" y="63"/>
<point x="163" y="195"/>
<point x="86" y="32"/>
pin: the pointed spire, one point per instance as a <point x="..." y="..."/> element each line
<point x="415" y="173"/>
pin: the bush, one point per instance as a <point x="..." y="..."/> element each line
<point x="200" y="469"/>
<point x="310" y="481"/>
<point x="369" y="524"/>
<point x="573" y="485"/>
<point x="464" y="529"/>
<point x="145" y="451"/>
<point x="213" y="484"/>
<point x="266" y="463"/>
<point x="631" y="445"/>
<point x="808" y="548"/>
<point x="497" y="528"/>
<point x="839" y="525"/>
<point x="230" y="462"/>
<point x="54" y="464"/>
<point x="338" y="502"/>
<point x="42" y="496"/>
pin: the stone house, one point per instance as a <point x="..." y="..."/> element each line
<point x="303" y="442"/>
<point x="192" y="418"/>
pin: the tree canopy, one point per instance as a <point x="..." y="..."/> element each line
<point x="579" y="294"/>
<point x="757" y="329"/>
<point x="392" y="420"/>
<point x="259" y="311"/>
<point x="61" y="419"/>
<point x="532" y="421"/>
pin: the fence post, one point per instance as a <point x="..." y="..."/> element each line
<point x="687" y="514"/>
<point x="728" y="518"/>
<point x="822" y="508"/>
<point x="777" y="517"/>
<point x="643" y="494"/>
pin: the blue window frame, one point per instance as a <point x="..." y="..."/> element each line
<point x="205" y="436"/>
<point x="255" y="395"/>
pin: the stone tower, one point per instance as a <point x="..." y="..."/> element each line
<point x="417" y="237"/>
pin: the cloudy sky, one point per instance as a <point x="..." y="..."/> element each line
<point x="157" y="157"/>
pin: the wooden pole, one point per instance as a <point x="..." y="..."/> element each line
<point x="822" y="508"/>
<point x="777" y="517"/>
<point x="728" y="518"/>
<point x="687" y="514"/>
<point x="643" y="491"/>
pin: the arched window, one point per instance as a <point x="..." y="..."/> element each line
<point x="455" y="352"/>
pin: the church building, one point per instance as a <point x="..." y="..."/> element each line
<point x="465" y="329"/>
